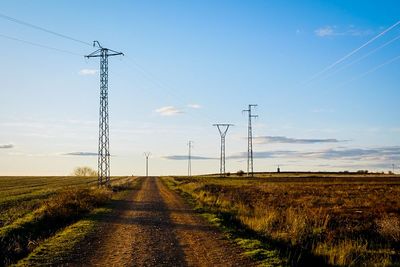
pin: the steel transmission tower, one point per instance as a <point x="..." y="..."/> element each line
<point x="250" y="169"/>
<point x="190" y="143"/>
<point x="147" y="155"/>
<point x="103" y="163"/>
<point x="223" y="129"/>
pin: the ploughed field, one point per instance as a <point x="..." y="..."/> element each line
<point x="305" y="218"/>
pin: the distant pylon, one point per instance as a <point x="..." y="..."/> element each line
<point x="250" y="170"/>
<point x="147" y="155"/>
<point x="103" y="163"/>
<point x="223" y="129"/>
<point x="190" y="158"/>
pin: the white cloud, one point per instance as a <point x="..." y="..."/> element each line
<point x="87" y="72"/>
<point x="195" y="106"/>
<point x="325" y="31"/>
<point x="351" y="30"/>
<point x="169" y="111"/>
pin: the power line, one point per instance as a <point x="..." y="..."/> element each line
<point x="39" y="45"/>
<point x="168" y="90"/>
<point x="43" y="29"/>
<point x="351" y="53"/>
<point x="145" y="73"/>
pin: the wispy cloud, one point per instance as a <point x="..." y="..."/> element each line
<point x="288" y="140"/>
<point x="379" y="154"/>
<point x="195" y="106"/>
<point x="181" y="157"/>
<point x="325" y="31"/>
<point x="351" y="30"/>
<point x="267" y="154"/>
<point x="6" y="146"/>
<point x="80" y="154"/>
<point x="87" y="72"/>
<point x="169" y="111"/>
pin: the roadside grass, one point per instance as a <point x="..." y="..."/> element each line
<point x="57" y="249"/>
<point x="318" y="221"/>
<point x="65" y="208"/>
<point x="260" y="252"/>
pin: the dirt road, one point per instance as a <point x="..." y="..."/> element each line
<point x="155" y="228"/>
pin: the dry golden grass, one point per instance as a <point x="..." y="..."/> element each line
<point x="346" y="223"/>
<point x="389" y="227"/>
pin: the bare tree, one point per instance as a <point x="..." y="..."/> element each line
<point x="84" y="171"/>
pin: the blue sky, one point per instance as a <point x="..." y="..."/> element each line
<point x="190" y="64"/>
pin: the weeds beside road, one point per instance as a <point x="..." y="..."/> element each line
<point x="336" y="220"/>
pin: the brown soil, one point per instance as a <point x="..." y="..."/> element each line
<point x="154" y="227"/>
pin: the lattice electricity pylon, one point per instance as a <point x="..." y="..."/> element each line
<point x="190" y="143"/>
<point x="147" y="155"/>
<point x="250" y="169"/>
<point x="103" y="163"/>
<point x="223" y="129"/>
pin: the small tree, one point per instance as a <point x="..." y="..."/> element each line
<point x="84" y="171"/>
<point x="240" y="173"/>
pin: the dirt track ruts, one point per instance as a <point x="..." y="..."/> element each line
<point x="154" y="227"/>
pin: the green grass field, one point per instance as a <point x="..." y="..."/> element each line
<point x="34" y="209"/>
<point x="307" y="218"/>
<point x="20" y="195"/>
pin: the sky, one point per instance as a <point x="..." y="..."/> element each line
<point x="323" y="73"/>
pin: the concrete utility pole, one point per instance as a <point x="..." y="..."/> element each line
<point x="190" y="158"/>
<point x="103" y="162"/>
<point x="223" y="129"/>
<point x="250" y="169"/>
<point x="147" y="155"/>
